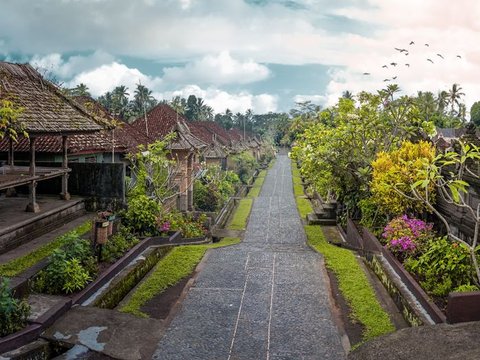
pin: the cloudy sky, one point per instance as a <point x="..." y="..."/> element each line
<point x="240" y="54"/>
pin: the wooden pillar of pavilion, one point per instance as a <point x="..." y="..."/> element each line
<point x="32" y="205"/>
<point x="11" y="192"/>
<point x="10" y="152"/>
<point x="65" y="195"/>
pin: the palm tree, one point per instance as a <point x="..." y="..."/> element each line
<point x="427" y="104"/>
<point x="120" y="101"/>
<point x="347" y="95"/>
<point x="179" y="104"/>
<point x="454" y="97"/>
<point x="442" y="101"/>
<point x="80" y="90"/>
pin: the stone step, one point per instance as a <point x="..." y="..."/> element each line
<point x="312" y="219"/>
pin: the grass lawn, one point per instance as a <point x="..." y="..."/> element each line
<point x="16" y="266"/>
<point x="240" y="217"/>
<point x="176" y="265"/>
<point x="257" y="185"/>
<point x="353" y="284"/>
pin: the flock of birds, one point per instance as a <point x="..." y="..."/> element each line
<point x="406" y="52"/>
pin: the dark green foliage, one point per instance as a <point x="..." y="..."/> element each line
<point x="443" y="267"/>
<point x="213" y="188"/>
<point x="13" y="312"/>
<point x="70" y="269"/>
<point x="142" y="214"/>
<point x="189" y="227"/>
<point x="118" y="245"/>
<point x="206" y="197"/>
<point x="475" y="113"/>
<point x="244" y="166"/>
<point x="17" y="265"/>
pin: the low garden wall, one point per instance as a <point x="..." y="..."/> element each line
<point x="36" y="327"/>
<point x="417" y="308"/>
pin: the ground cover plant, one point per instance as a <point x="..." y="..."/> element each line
<point x="257" y="184"/>
<point x="240" y="217"/>
<point x="16" y="266"/>
<point x="353" y="284"/>
<point x="13" y="312"/>
<point x="352" y="280"/>
<point x="176" y="265"/>
<point x="70" y="269"/>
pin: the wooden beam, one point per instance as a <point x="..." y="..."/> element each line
<point x="10" y="152"/>
<point x="32" y="206"/>
<point x="65" y="195"/>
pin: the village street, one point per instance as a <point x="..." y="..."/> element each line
<point x="266" y="298"/>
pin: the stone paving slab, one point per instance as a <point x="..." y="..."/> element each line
<point x="265" y="298"/>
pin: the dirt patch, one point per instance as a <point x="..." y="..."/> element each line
<point x="160" y="305"/>
<point x="353" y="329"/>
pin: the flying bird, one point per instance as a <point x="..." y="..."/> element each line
<point x="366" y="73"/>
<point x="393" y="63"/>
<point x="406" y="53"/>
<point x="439" y="55"/>
<point x="384" y="66"/>
<point x="393" y="78"/>
<point x="407" y="65"/>
<point x="459" y="56"/>
<point x="427" y="45"/>
<point x="430" y="60"/>
<point x="412" y="42"/>
<point x="386" y="80"/>
<point x="401" y="50"/>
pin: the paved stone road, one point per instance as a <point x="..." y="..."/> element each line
<point x="265" y="298"/>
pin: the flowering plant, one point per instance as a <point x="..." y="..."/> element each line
<point x="403" y="236"/>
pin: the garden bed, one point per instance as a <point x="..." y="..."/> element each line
<point x="36" y="326"/>
<point x="418" y="308"/>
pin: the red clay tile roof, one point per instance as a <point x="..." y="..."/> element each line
<point x="46" y="109"/>
<point x="221" y="134"/>
<point x="126" y="138"/>
<point x="163" y="120"/>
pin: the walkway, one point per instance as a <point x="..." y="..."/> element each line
<point x="265" y="298"/>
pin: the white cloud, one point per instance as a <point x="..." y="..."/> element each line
<point x="221" y="69"/>
<point x="314" y="99"/>
<point x="66" y="68"/>
<point x="108" y="76"/>
<point x="221" y="100"/>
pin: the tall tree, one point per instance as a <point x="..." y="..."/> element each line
<point x="475" y="113"/>
<point x="454" y="98"/>
<point x="80" y="90"/>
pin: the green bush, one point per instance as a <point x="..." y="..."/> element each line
<point x="69" y="270"/>
<point x="244" y="165"/>
<point x="206" y="197"/>
<point x="443" y="267"/>
<point x="13" y="312"/>
<point x="213" y="188"/>
<point x="117" y="245"/>
<point x="185" y="223"/>
<point x="141" y="214"/>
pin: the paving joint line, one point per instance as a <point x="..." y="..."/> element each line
<point x="238" y="315"/>
<point x="271" y="308"/>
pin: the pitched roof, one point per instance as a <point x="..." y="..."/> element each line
<point x="221" y="134"/>
<point x="126" y="138"/>
<point x="163" y="120"/>
<point x="46" y="109"/>
<point x="215" y="148"/>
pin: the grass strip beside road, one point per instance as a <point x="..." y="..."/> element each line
<point x="257" y="185"/>
<point x="353" y="284"/>
<point x="352" y="280"/>
<point x="240" y="217"/>
<point x="16" y="266"/>
<point x="176" y="265"/>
